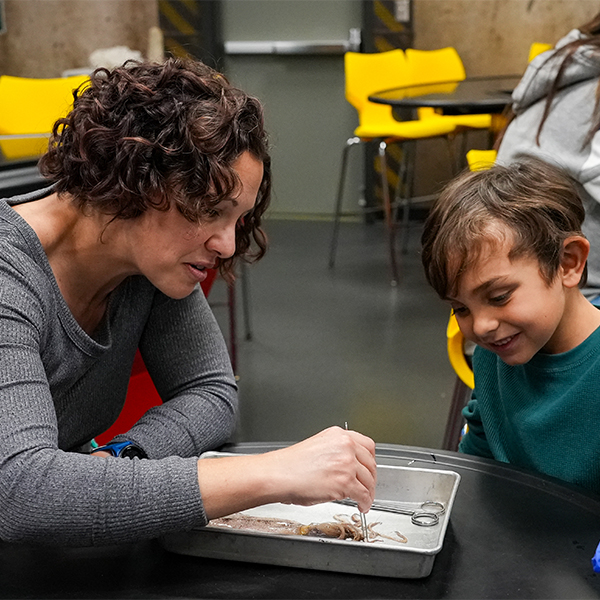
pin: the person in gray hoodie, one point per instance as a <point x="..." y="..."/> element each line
<point x="557" y="118"/>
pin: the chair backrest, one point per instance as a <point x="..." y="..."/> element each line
<point x="31" y="106"/>
<point x="369" y="73"/>
<point x="480" y="160"/>
<point x="432" y="66"/>
<point x="537" y="48"/>
<point x="456" y="353"/>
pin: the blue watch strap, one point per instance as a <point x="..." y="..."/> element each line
<point x="125" y="449"/>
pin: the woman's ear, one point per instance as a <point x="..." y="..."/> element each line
<point x="574" y="257"/>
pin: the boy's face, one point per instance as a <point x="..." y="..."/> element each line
<point x="508" y="308"/>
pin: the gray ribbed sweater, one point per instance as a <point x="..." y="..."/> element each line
<point x="59" y="388"/>
<point x="543" y="415"/>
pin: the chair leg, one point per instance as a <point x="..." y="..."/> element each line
<point x="462" y="159"/>
<point x="338" y="203"/>
<point x="232" y="326"/>
<point x="246" y="301"/>
<point x="454" y="160"/>
<point x="390" y="222"/>
<point x="406" y="181"/>
<point x="460" y="397"/>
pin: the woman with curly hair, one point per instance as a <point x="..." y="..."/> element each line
<point x="158" y="173"/>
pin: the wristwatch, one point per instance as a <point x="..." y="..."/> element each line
<point x="125" y="449"/>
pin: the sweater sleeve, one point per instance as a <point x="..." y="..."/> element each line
<point x="187" y="359"/>
<point x="48" y="495"/>
<point x="51" y="496"/>
<point x="474" y="441"/>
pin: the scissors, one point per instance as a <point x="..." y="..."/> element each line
<point x="427" y="515"/>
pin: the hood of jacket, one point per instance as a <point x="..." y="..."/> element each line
<point x="541" y="72"/>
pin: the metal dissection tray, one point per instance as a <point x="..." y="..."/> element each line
<point x="381" y="556"/>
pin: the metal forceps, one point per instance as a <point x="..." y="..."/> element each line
<point x="427" y="515"/>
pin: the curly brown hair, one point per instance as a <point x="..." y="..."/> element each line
<point x="148" y="135"/>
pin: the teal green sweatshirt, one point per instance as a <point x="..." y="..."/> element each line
<point x="543" y="415"/>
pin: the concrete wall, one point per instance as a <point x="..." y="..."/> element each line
<point x="493" y="36"/>
<point x="306" y="114"/>
<point x="45" y="37"/>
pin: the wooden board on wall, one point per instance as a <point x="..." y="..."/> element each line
<point x="493" y="36"/>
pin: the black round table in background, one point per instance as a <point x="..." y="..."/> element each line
<point x="470" y="96"/>
<point x="511" y="534"/>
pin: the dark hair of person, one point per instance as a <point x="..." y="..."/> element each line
<point x="533" y="205"/>
<point x="148" y="135"/>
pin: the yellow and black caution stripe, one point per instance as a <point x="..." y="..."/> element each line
<point x="193" y="28"/>
<point x="178" y="20"/>
<point x="388" y="33"/>
<point x="383" y="31"/>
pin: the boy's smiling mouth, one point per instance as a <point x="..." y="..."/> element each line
<point x="504" y="344"/>
<point x="503" y="341"/>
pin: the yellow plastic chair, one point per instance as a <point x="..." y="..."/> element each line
<point x="439" y="68"/>
<point x="537" y="48"/>
<point x="480" y="160"/>
<point x="366" y="74"/>
<point x="457" y="355"/>
<point x="460" y="359"/>
<point x="28" y="110"/>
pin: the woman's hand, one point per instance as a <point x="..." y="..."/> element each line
<point x="330" y="465"/>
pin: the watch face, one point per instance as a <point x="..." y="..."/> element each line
<point x="132" y="452"/>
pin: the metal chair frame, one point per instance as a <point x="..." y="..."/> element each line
<point x="379" y="119"/>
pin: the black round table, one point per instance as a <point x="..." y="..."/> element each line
<point x="475" y="95"/>
<point x="512" y="534"/>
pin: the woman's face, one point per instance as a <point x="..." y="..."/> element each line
<point x="174" y="253"/>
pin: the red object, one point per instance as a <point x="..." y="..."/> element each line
<point x="141" y="394"/>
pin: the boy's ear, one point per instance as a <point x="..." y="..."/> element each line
<point x="573" y="260"/>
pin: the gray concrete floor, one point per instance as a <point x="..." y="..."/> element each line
<point x="342" y="345"/>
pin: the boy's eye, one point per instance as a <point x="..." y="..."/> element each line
<point x="500" y="299"/>
<point x="459" y="311"/>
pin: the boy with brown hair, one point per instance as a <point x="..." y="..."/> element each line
<point x="504" y="247"/>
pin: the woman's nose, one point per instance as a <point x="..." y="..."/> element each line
<point x="223" y="242"/>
